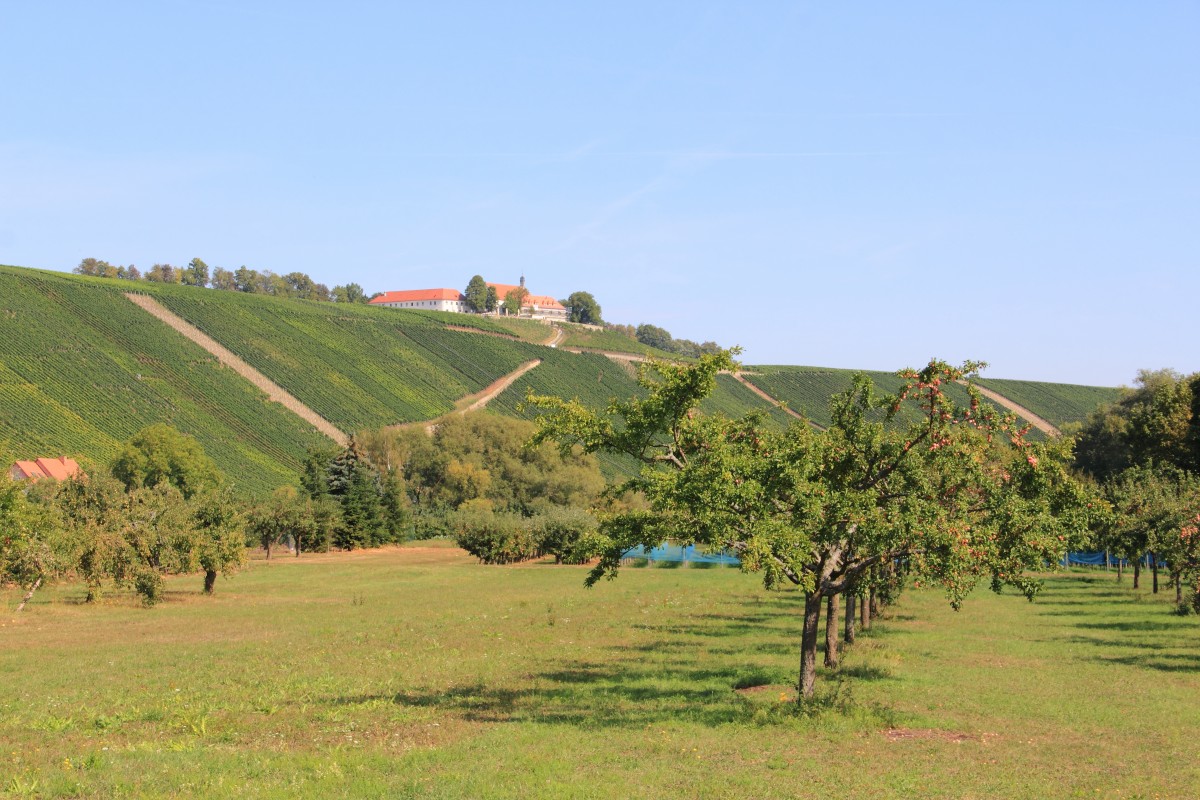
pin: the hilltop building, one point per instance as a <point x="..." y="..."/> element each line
<point x="59" y="469"/>
<point x="536" y="306"/>
<point x="424" y="299"/>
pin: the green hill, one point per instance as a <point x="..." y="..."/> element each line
<point x="82" y="368"/>
<point x="357" y="366"/>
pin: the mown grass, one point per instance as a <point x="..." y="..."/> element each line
<point x="417" y="672"/>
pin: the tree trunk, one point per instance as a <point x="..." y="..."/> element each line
<point x="831" y="632"/>
<point x="268" y="551"/>
<point x="1154" y="572"/>
<point x="874" y="604"/>
<point x="1137" y="572"/>
<point x="865" y="614"/>
<point x="210" y="581"/>
<point x="808" y="646"/>
<point x="1119" y="571"/>
<point x="848" y="636"/>
<point x="29" y="594"/>
<point x="1178" y="579"/>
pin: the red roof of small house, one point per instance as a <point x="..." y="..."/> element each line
<point x="59" y="469"/>
<point x="414" y="295"/>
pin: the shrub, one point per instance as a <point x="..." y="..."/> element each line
<point x="571" y="535"/>
<point x="496" y="538"/>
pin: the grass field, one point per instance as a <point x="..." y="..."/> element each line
<point x="416" y="672"/>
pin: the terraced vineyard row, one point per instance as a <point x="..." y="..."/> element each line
<point x="1058" y="403"/>
<point x="358" y="367"/>
<point x="82" y="369"/>
<point x="733" y="399"/>
<point x="808" y="390"/>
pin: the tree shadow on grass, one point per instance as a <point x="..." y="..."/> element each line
<point x="676" y="675"/>
<point x="621" y="697"/>
<point x="1132" y="626"/>
<point x="1156" y="655"/>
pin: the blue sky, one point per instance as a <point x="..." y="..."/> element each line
<point x="861" y="186"/>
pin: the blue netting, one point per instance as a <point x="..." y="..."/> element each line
<point x="1100" y="559"/>
<point x="673" y="552"/>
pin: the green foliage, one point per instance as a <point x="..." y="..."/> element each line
<point x="515" y="300"/>
<point x="485" y="456"/>
<point x="496" y="538"/>
<point x="822" y="511"/>
<point x="308" y="523"/>
<point x="220" y="526"/>
<point x="158" y="538"/>
<point x="571" y="535"/>
<point x="350" y="293"/>
<point x="196" y="273"/>
<point x="477" y="294"/>
<point x="160" y="454"/>
<point x="1154" y="508"/>
<point x="584" y="308"/>
<point x="661" y="339"/>
<point x="33" y="547"/>
<point x="82" y="370"/>
<point x="1152" y="423"/>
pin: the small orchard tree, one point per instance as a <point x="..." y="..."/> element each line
<point x="93" y="510"/>
<point x="823" y="510"/>
<point x="34" y="547"/>
<point x="158" y="538"/>
<point x="219" y="523"/>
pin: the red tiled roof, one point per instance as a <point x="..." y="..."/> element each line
<point x="544" y="301"/>
<point x="539" y="300"/>
<point x="413" y="295"/>
<point x="59" y="469"/>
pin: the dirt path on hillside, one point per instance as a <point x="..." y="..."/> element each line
<point x="559" y="335"/>
<point x="481" y="399"/>
<point x="740" y="377"/>
<point x="1041" y="424"/>
<point x="608" y="354"/>
<point x="226" y="357"/>
<point x="472" y="402"/>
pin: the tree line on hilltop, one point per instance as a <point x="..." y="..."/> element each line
<point x="296" y="285"/>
